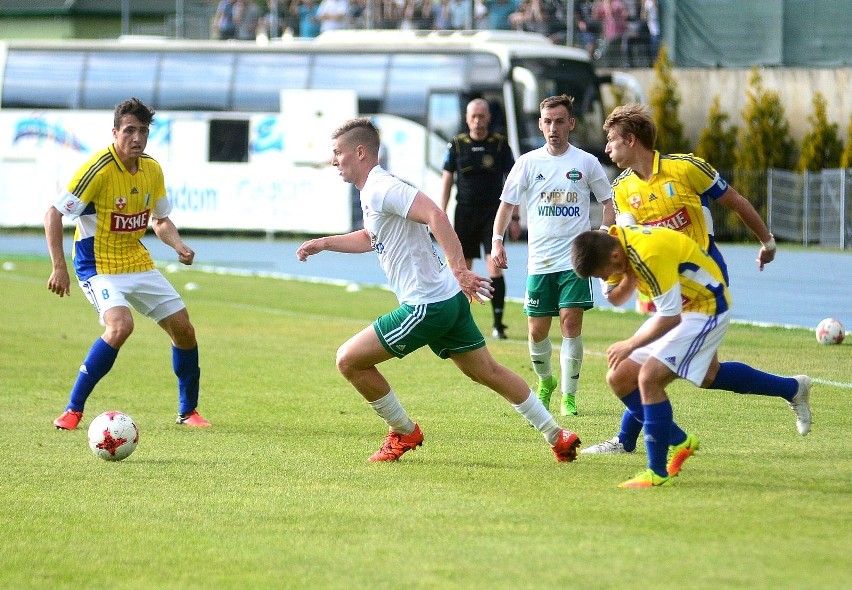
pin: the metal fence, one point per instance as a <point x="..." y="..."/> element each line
<point x="811" y="208"/>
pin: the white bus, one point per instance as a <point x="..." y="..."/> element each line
<point x="242" y="129"/>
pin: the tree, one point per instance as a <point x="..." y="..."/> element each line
<point x="764" y="141"/>
<point x="717" y="143"/>
<point x="846" y="158"/>
<point x="821" y="145"/>
<point x="665" y="103"/>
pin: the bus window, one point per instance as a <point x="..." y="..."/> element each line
<point x="364" y="73"/>
<point x="195" y="81"/>
<point x="413" y="75"/>
<point x="259" y="79"/>
<point x="444" y="122"/>
<point x="43" y="79"/>
<point x="484" y="70"/>
<point x="228" y="141"/>
<point x="551" y="76"/>
<point x="113" y="77"/>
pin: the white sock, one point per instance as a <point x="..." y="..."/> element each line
<point x="540" y="356"/>
<point x="571" y="359"/>
<point x="392" y="412"/>
<point x="537" y="415"/>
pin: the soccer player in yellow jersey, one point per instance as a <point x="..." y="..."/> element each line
<point x="678" y="342"/>
<point x="113" y="197"/>
<point x="675" y="191"/>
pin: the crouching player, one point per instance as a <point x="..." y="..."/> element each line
<point x="680" y="341"/>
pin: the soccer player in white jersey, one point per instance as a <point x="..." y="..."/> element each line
<point x="679" y="341"/>
<point x="113" y="197"/>
<point x="556" y="182"/>
<point x="434" y="297"/>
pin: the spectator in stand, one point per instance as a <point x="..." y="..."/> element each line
<point x="480" y="15"/>
<point x="460" y="15"/>
<point x="357" y="14"/>
<point x="441" y="15"/>
<point x="498" y="13"/>
<point x="392" y="13"/>
<point x="223" y="21"/>
<point x="333" y="15"/>
<point x="306" y="10"/>
<point x="651" y="17"/>
<point x="417" y="15"/>
<point x="519" y="18"/>
<point x="274" y="21"/>
<point x="612" y="14"/>
<point x="586" y="28"/>
<point x="540" y="16"/>
<point x="246" y="17"/>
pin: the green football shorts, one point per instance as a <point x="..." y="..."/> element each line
<point x="447" y="327"/>
<point x="547" y="294"/>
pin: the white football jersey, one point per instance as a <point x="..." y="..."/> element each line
<point x="557" y="192"/>
<point x="416" y="273"/>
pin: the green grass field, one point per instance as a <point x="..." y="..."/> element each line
<point x="279" y="494"/>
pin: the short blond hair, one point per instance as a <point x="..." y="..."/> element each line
<point x="635" y="119"/>
<point x="359" y="131"/>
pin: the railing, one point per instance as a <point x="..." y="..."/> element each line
<point x="811" y="208"/>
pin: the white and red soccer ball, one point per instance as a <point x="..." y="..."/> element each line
<point x="830" y="331"/>
<point x="113" y="436"/>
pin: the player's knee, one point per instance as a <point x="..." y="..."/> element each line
<point x="184" y="337"/>
<point x="344" y="361"/>
<point x="118" y="331"/>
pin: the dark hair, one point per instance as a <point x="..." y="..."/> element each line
<point x="360" y="131"/>
<point x="591" y="251"/>
<point x="635" y="119"/>
<point x="134" y="107"/>
<point x="559" y="100"/>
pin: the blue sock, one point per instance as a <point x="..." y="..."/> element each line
<point x="658" y="426"/>
<point x="676" y="435"/>
<point x="741" y="378"/>
<point x="98" y="362"/>
<point x="631" y="420"/>
<point x="185" y="364"/>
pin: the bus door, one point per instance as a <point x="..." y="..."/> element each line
<point x="444" y="120"/>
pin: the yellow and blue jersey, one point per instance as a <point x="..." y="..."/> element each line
<point x="677" y="195"/>
<point x="113" y="209"/>
<point x="664" y="259"/>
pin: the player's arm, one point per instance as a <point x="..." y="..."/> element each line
<point x="168" y="233"/>
<point x="669" y="307"/>
<point x="617" y="293"/>
<point x="515" y="224"/>
<point x="446" y="188"/>
<point x="59" y="281"/>
<point x="608" y="214"/>
<point x="424" y="210"/>
<point x="356" y="242"/>
<point x="504" y="216"/>
<point x="751" y="218"/>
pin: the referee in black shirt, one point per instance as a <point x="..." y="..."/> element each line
<point x="478" y="162"/>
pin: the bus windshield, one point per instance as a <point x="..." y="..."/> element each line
<point x="537" y="78"/>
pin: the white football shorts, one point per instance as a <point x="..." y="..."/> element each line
<point x="688" y="348"/>
<point x="147" y="292"/>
